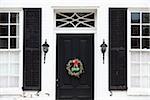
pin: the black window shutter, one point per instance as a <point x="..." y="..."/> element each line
<point x="117" y="49"/>
<point x="32" y="49"/>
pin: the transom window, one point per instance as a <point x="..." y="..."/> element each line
<point x="75" y="19"/>
<point x="139" y="52"/>
<point x="9" y="49"/>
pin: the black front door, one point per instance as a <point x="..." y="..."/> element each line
<point x="68" y="85"/>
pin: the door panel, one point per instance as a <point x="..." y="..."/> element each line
<point x="70" y="47"/>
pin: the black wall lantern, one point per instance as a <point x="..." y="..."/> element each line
<point x="103" y="49"/>
<point x="45" y="49"/>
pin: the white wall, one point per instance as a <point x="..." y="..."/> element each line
<point x="48" y="69"/>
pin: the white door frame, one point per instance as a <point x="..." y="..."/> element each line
<point x="77" y="31"/>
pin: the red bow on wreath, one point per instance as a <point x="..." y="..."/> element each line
<point x="75" y="62"/>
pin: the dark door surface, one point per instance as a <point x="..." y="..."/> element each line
<point x="70" y="47"/>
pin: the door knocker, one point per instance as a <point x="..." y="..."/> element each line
<point x="103" y="49"/>
<point x="75" y="67"/>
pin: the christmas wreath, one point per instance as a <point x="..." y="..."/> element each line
<point x="75" y="67"/>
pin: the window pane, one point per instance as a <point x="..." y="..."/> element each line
<point x="4" y="81"/>
<point x="145" y="30"/>
<point x="91" y="16"/>
<point x="90" y="23"/>
<point x="144" y="82"/>
<point x="83" y="14"/>
<point x="14" y="18"/>
<point x="68" y="25"/>
<point x="135" y="56"/>
<point x="135" y="69"/>
<point x="3" y="17"/>
<point x="3" y="30"/>
<point x="135" y="43"/>
<point x="144" y="69"/>
<point x="135" y="30"/>
<point x="145" y="43"/>
<point x="67" y="14"/>
<point x="14" y="69"/>
<point x="4" y="57"/>
<point x="3" y="69"/>
<point x="14" y="57"/>
<point x="145" y="56"/>
<point x="135" y="17"/>
<point x="3" y="43"/>
<point x="14" y="43"/>
<point x="14" y="81"/>
<point x="58" y="23"/>
<point x="82" y="25"/>
<point x="14" y="30"/>
<point x="135" y="81"/>
<point x="58" y="16"/>
<point x="145" y="17"/>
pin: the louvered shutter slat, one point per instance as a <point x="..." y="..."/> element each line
<point x="32" y="49"/>
<point x="118" y="49"/>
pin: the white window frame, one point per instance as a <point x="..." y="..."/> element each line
<point x="131" y="90"/>
<point x="18" y="90"/>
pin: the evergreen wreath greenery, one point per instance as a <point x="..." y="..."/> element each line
<point x="75" y="67"/>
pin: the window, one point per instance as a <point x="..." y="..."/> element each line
<point x="75" y="19"/>
<point x="139" y="53"/>
<point x="10" y="50"/>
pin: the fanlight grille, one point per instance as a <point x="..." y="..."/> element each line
<point x="75" y="20"/>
